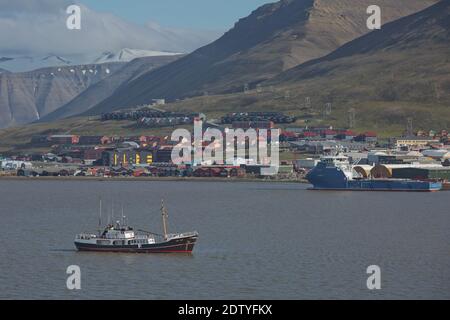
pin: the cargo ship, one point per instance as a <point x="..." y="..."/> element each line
<point x="119" y="237"/>
<point x="336" y="173"/>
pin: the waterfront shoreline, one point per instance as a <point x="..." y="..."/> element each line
<point x="155" y="179"/>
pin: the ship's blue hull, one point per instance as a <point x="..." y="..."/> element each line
<point x="332" y="178"/>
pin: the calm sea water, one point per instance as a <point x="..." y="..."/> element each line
<point x="257" y="241"/>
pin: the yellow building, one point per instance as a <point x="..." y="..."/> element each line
<point x="415" y="142"/>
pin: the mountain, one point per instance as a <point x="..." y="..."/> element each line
<point x="25" y="63"/>
<point x="104" y="88"/>
<point x="27" y="96"/>
<point x="273" y="39"/>
<point x="400" y="71"/>
<point x="127" y="55"/>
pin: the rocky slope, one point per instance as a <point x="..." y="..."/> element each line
<point x="31" y="96"/>
<point x="104" y="88"/>
<point x="28" y="96"/>
<point x="274" y="38"/>
<point x="387" y="72"/>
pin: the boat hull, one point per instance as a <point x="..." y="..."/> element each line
<point x="179" y="245"/>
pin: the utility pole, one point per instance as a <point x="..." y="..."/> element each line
<point x="410" y="127"/>
<point x="246" y="88"/>
<point x="308" y="103"/>
<point x="287" y="94"/>
<point x="351" y="118"/>
<point x="328" y="107"/>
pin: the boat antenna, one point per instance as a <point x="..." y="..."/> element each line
<point x="100" y="217"/>
<point x="123" y="216"/>
<point x="164" y="218"/>
<point x="112" y="213"/>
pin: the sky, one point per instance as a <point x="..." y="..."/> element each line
<point x="193" y="14"/>
<point x="33" y="28"/>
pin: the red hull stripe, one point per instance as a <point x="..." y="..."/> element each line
<point x="134" y="251"/>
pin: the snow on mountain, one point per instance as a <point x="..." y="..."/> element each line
<point x="28" y="63"/>
<point x="126" y="55"/>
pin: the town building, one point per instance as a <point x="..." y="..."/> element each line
<point x="94" y="140"/>
<point x="412" y="142"/>
<point x="124" y="157"/>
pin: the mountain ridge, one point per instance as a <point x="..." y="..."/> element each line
<point x="127" y="55"/>
<point x="272" y="39"/>
<point x="403" y="54"/>
<point x="27" y="63"/>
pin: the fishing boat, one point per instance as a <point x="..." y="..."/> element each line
<point x="120" y="237"/>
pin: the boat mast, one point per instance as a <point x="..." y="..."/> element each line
<point x="123" y="216"/>
<point x="100" y="218"/>
<point x="112" y="213"/>
<point x="164" y="218"/>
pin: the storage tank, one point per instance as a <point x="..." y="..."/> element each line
<point x="363" y="170"/>
<point x="384" y="171"/>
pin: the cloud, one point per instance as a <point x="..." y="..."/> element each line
<point x="39" y="27"/>
<point x="14" y="7"/>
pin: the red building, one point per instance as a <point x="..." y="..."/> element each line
<point x="329" y="134"/>
<point x="309" y="134"/>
